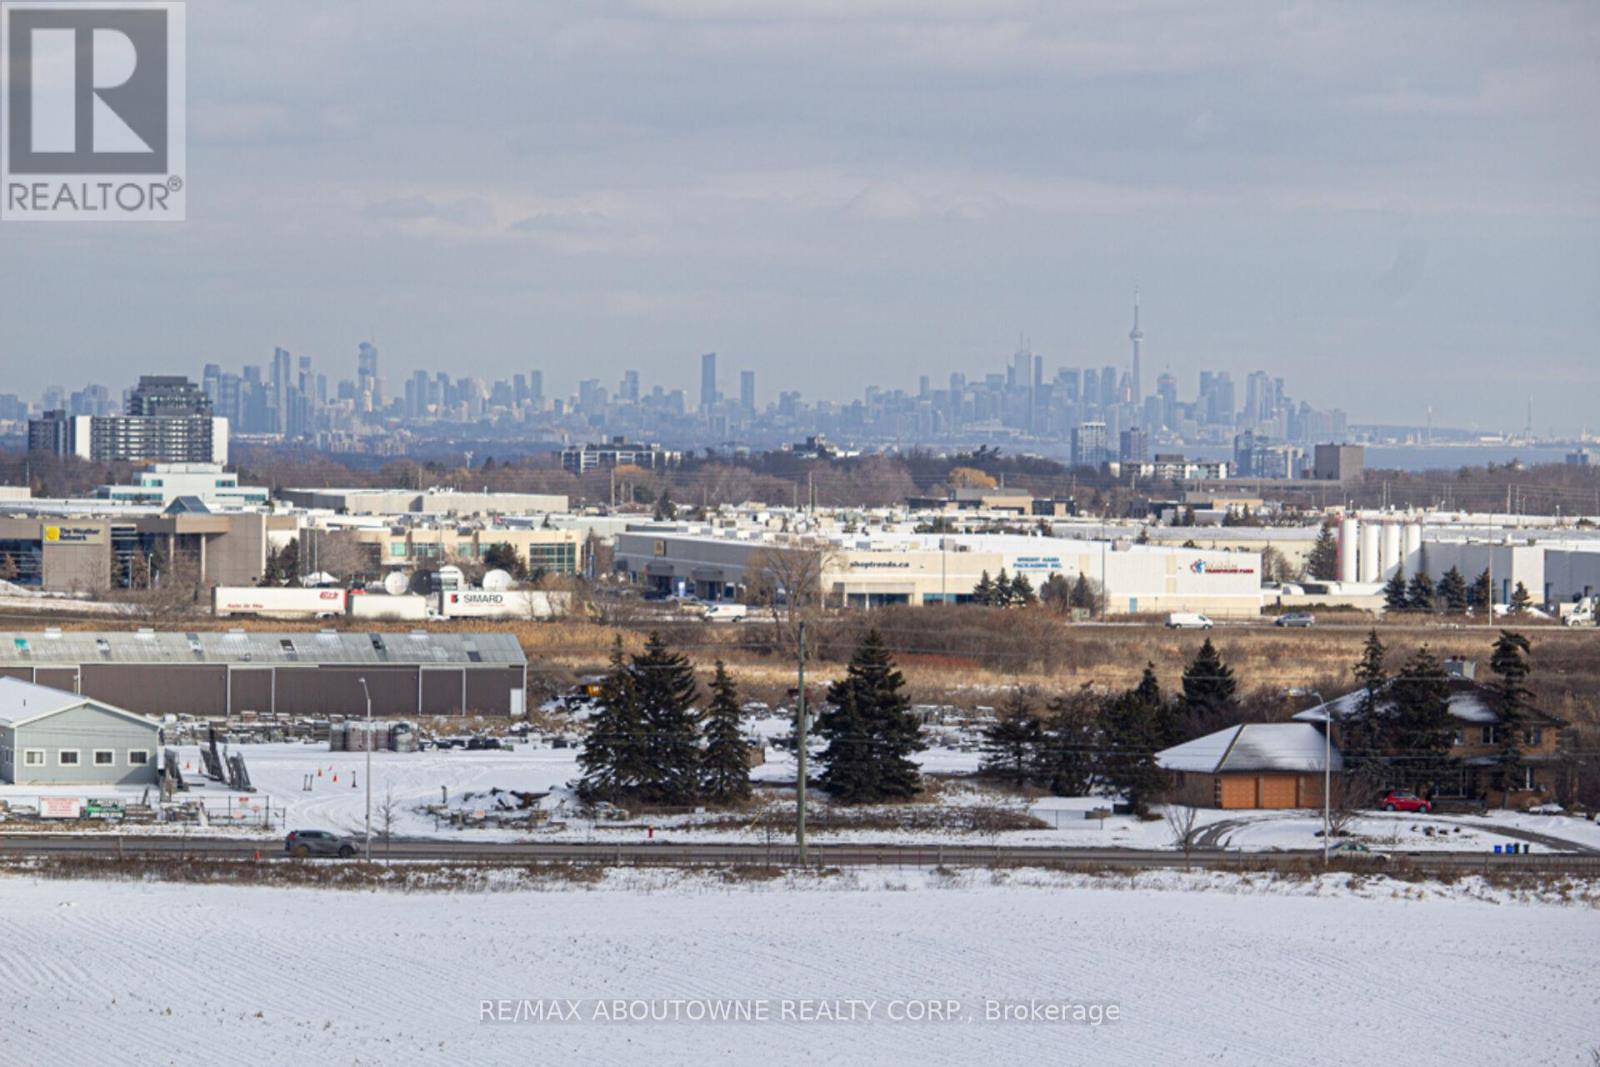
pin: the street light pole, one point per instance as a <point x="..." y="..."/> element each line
<point x="368" y="693"/>
<point x="1327" y="767"/>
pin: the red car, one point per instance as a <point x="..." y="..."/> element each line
<point x="1399" y="800"/>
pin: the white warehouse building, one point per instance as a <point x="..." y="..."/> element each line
<point x="871" y="569"/>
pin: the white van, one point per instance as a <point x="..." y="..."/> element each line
<point x="719" y="612"/>
<point x="1188" y="620"/>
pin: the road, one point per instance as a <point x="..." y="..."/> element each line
<point x="677" y="853"/>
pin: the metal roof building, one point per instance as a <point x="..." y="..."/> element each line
<point x="48" y="737"/>
<point x="222" y="673"/>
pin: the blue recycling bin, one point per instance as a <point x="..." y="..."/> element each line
<point x="1497" y="850"/>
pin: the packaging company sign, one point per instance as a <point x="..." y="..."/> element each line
<point x="92" y="112"/>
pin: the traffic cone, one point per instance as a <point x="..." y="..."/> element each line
<point x="335" y="777"/>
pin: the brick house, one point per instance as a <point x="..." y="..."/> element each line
<point x="1475" y="749"/>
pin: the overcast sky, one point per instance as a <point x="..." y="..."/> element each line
<point x="1389" y="204"/>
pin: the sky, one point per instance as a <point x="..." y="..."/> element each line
<point x="1392" y="206"/>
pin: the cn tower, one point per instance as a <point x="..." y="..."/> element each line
<point x="1136" y="335"/>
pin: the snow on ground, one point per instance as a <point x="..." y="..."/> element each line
<point x="280" y="771"/>
<point x="1226" y="971"/>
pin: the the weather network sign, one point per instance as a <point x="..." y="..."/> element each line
<point x="93" y="112"/>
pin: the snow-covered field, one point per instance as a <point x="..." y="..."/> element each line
<point x="1200" y="968"/>
<point x="336" y="800"/>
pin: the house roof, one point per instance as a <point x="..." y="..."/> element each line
<point x="24" y="702"/>
<point x="1471" y="702"/>
<point x="258" y="647"/>
<point x="1252" y="746"/>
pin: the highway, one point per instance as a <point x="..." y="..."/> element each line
<point x="689" y="854"/>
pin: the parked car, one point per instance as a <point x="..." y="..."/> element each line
<point x="1400" y="800"/>
<point x="305" y="843"/>
<point x="1188" y="620"/>
<point x="1295" y="618"/>
<point x="1355" y="850"/>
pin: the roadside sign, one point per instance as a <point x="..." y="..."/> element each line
<point x="60" y="807"/>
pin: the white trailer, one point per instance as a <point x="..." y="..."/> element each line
<point x="277" y="602"/>
<point x="502" y="604"/>
<point x="385" y="606"/>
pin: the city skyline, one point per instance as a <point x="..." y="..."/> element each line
<point x="867" y="194"/>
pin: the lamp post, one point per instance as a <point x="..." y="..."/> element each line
<point x="1327" y="766"/>
<point x="368" y="693"/>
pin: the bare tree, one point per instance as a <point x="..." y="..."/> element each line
<point x="787" y="582"/>
<point x="1354" y="795"/>
<point x="338" y="553"/>
<point x="1183" y="820"/>
<point x="388" y="815"/>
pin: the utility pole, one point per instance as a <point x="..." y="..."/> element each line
<point x="368" y="693"/>
<point x="801" y="741"/>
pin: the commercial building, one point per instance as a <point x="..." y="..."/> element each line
<point x="434" y="501"/>
<point x="85" y="552"/>
<point x="219" y="674"/>
<point x="557" y="552"/>
<point x="163" y="483"/>
<point x="873" y="569"/>
<point x="52" y="737"/>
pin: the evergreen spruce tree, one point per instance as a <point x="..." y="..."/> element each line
<point x="1083" y="594"/>
<point x="1209" y="691"/>
<point x="666" y="510"/>
<point x="983" y="592"/>
<point x="1129" y="742"/>
<point x="1169" y="728"/>
<point x="1065" y="757"/>
<point x="613" y="756"/>
<point x="1481" y="592"/>
<point x="1002" y="589"/>
<point x="1510" y="694"/>
<point x="1324" y="559"/>
<point x="1011" y="743"/>
<point x="1421" y="729"/>
<point x="1056" y="592"/>
<point x="1521" y="601"/>
<point x="1364" y="732"/>
<point x="870" y="731"/>
<point x="1420" y="593"/>
<point x="725" y="765"/>
<point x="1022" y="590"/>
<point x="665" y="683"/>
<point x="1453" y="591"/>
<point x="1396" y="597"/>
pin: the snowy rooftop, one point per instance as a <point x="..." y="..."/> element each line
<point x="241" y="646"/>
<point x="1469" y="702"/>
<point x="1251" y="746"/>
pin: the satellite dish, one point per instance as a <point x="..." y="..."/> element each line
<point x="395" y="583"/>
<point x="498" y="581"/>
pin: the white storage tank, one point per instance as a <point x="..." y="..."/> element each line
<point x="1349" y="532"/>
<point x="1369" y="552"/>
<point x="1413" y="547"/>
<point x="1391" y="550"/>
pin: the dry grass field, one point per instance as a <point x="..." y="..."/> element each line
<point x="972" y="656"/>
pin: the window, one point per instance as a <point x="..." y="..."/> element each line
<point x="1488" y="735"/>
<point x="68" y="757"/>
<point x="138" y="757"/>
<point x="33" y="757"/>
<point x="105" y="757"/>
<point x="1533" y="735"/>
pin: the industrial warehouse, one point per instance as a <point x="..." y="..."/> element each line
<point x="871" y="569"/>
<point x="317" y="674"/>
